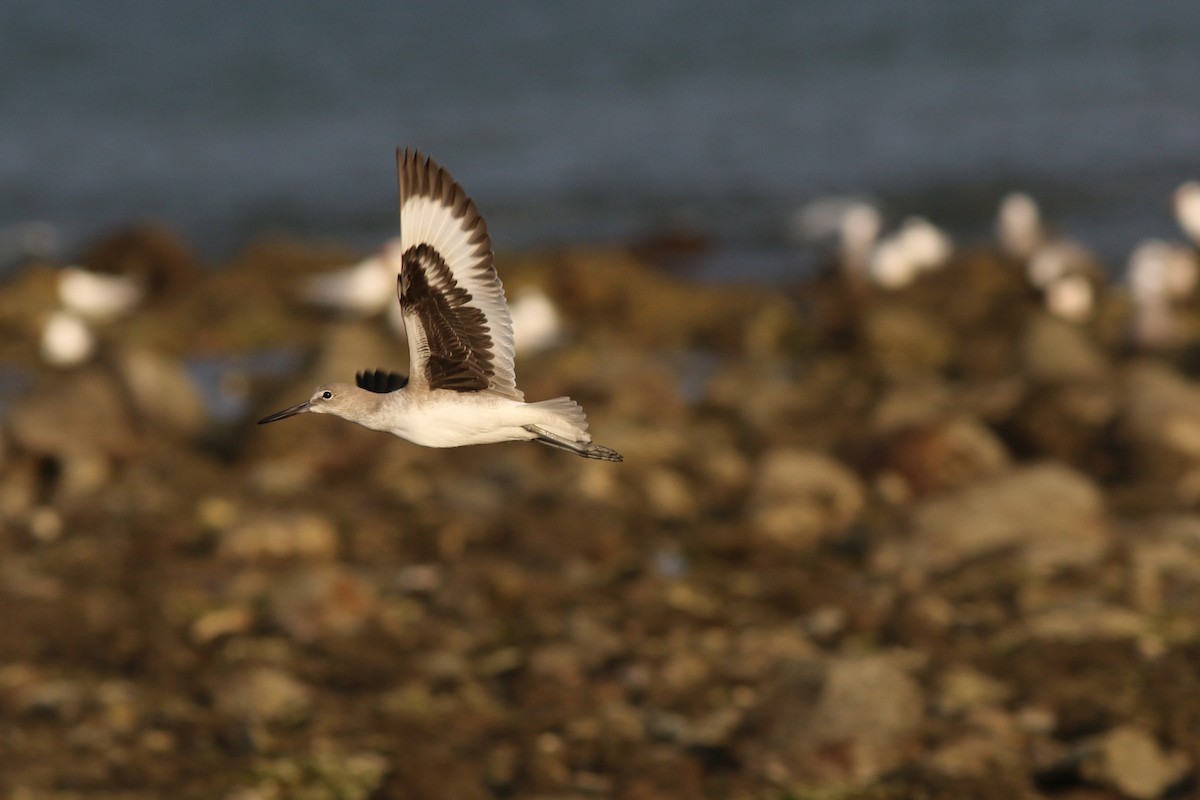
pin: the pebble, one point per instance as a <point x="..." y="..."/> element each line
<point x="801" y="497"/>
<point x="221" y="622"/>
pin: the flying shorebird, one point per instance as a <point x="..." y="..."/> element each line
<point x="461" y="388"/>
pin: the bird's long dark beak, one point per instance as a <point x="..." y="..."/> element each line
<point x="287" y="412"/>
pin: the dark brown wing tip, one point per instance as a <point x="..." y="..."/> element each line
<point x="421" y="176"/>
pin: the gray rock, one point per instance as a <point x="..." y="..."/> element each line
<point x="86" y="430"/>
<point x="163" y="392"/>
<point x="849" y="720"/>
<point x="1049" y="514"/>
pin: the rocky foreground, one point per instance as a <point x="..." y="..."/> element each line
<point x="932" y="543"/>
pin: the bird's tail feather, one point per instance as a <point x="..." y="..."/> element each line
<point x="565" y="427"/>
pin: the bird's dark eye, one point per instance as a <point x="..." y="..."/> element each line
<point x="327" y="395"/>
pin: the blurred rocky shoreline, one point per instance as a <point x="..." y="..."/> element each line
<point x="932" y="541"/>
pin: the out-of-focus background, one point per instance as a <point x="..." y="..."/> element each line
<point x="892" y="308"/>
<point x="594" y="122"/>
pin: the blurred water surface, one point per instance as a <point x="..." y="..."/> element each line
<point x="228" y="120"/>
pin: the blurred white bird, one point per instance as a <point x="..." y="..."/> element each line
<point x="858" y="235"/>
<point x="1019" y="229"/>
<point x="1071" y="297"/>
<point x="537" y="325"/>
<point x="1062" y="270"/>
<point x="363" y="289"/>
<point x="1186" y="202"/>
<point x="1159" y="274"/>
<point x="852" y="224"/>
<point x="1067" y="274"/>
<point x="97" y="296"/>
<point x="822" y="220"/>
<point x="66" y="341"/>
<point x="915" y="247"/>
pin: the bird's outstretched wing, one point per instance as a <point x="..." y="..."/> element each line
<point x="459" y="329"/>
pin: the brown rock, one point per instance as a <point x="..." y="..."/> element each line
<point x="264" y="695"/>
<point x="944" y="455"/>
<point x="903" y="342"/>
<point x="91" y="417"/>
<point x="84" y="431"/>
<point x="1129" y="760"/>
<point x="149" y="252"/>
<point x="327" y="601"/>
<point x="801" y="497"/>
<point x="1161" y="425"/>
<point x="1057" y="350"/>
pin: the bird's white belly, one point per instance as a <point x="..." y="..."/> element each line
<point x="454" y="420"/>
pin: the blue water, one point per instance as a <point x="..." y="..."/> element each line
<point x="230" y="120"/>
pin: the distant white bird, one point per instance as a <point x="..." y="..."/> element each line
<point x="858" y="235"/>
<point x="851" y="224"/>
<point x="537" y="325"/>
<point x="66" y="341"/>
<point x="461" y="389"/>
<point x="1066" y="273"/>
<point x="915" y="247"/>
<point x="97" y="296"/>
<point x="1056" y="258"/>
<point x="1159" y="274"/>
<point x="1019" y="229"/>
<point x="928" y="245"/>
<point x="369" y="288"/>
<point x="821" y="221"/>
<point x="1186" y="201"/>
<point x="1071" y="297"/>
<point x="362" y="289"/>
